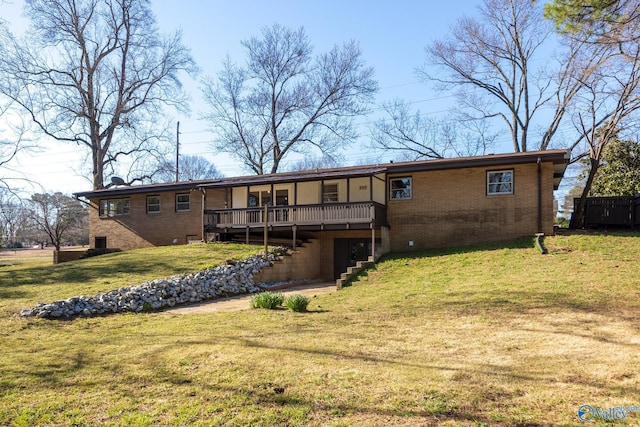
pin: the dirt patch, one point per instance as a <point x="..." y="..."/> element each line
<point x="241" y="302"/>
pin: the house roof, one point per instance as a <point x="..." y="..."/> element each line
<point x="137" y="189"/>
<point x="559" y="158"/>
<point x="311" y="175"/>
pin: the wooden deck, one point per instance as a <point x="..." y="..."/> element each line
<point x="341" y="215"/>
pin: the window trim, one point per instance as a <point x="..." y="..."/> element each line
<point x="153" y="212"/>
<point x="391" y="190"/>
<point x="489" y="184"/>
<point x="187" y="203"/>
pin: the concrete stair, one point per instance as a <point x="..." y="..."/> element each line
<point x="360" y="265"/>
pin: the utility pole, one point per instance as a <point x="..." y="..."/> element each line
<point x="177" y="151"/>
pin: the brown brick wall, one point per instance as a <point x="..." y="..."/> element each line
<point x="327" y="251"/>
<point x="68" y="255"/>
<point x="451" y="207"/>
<point x="303" y="264"/>
<point x="448" y="208"/>
<point x="314" y="261"/>
<point x="216" y="198"/>
<point x="140" y="229"/>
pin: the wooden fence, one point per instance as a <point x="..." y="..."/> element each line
<point x="610" y="211"/>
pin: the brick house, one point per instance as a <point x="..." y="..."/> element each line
<point x="349" y="213"/>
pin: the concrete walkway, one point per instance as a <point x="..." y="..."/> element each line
<point x="241" y="302"/>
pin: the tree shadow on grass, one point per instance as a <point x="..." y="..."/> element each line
<point x="477" y="376"/>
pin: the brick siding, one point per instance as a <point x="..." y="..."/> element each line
<point x="141" y="229"/>
<point x="448" y="207"/>
<point x="451" y="207"/>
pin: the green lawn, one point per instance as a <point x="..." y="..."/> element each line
<point x="493" y="335"/>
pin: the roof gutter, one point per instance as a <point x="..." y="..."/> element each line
<point x="555" y="156"/>
<point x="539" y="195"/>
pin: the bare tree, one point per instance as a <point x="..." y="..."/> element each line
<point x="57" y="215"/>
<point x="12" y="134"/>
<point x="610" y="105"/>
<point x="611" y="100"/>
<point x="415" y="136"/>
<point x="11" y="218"/>
<point x="11" y="143"/>
<point x="312" y="163"/>
<point x="490" y="62"/>
<point x="285" y="100"/>
<point x="97" y="73"/>
<point x="191" y="168"/>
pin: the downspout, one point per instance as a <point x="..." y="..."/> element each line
<point x="539" y="195"/>
<point x="294" y="213"/>
<point x="203" y="208"/>
<point x="540" y="234"/>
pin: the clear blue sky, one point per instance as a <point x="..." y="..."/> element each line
<point x="392" y="36"/>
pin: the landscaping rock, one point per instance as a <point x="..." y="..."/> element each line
<point x="233" y="278"/>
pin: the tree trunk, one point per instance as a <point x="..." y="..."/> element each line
<point x="98" y="177"/>
<point x="579" y="216"/>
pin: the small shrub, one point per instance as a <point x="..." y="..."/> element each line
<point x="268" y="300"/>
<point x="297" y="303"/>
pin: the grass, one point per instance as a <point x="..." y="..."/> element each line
<point x="22" y="283"/>
<point x="490" y="335"/>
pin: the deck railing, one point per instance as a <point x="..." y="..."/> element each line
<point x="324" y="214"/>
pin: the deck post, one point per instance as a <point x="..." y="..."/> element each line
<point x="204" y="207"/>
<point x="247" y="236"/>
<point x="373" y="243"/>
<point x="295" y="229"/>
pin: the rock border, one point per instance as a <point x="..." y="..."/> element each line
<point x="233" y="278"/>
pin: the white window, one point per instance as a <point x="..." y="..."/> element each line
<point x="401" y="188"/>
<point x="330" y="193"/>
<point x="182" y="203"/>
<point x="500" y="182"/>
<point x="153" y="204"/>
<point x="115" y="207"/>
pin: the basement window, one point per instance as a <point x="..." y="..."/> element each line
<point x="499" y="182"/>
